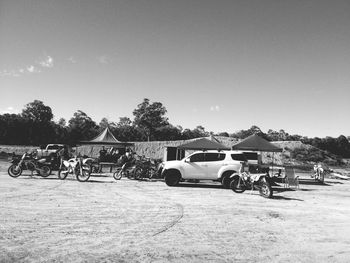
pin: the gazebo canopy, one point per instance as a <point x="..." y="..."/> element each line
<point x="203" y="144"/>
<point x="106" y="138"/>
<point x="256" y="143"/>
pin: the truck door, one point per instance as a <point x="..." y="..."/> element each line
<point x="195" y="167"/>
<point x="213" y="161"/>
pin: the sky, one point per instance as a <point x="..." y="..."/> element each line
<point x="223" y="64"/>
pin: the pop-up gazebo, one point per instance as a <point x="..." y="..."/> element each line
<point x="203" y="144"/>
<point x="256" y="143"/>
<point x="106" y="138"/>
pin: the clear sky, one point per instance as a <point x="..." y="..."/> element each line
<point x="222" y="64"/>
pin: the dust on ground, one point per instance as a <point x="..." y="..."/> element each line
<point x="103" y="220"/>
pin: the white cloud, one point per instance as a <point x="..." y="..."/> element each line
<point x="9" y="73"/>
<point x="9" y="110"/>
<point x="33" y="69"/>
<point x="215" y="108"/>
<point x="47" y="62"/>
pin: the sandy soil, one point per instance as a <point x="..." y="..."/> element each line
<point x="103" y="220"/>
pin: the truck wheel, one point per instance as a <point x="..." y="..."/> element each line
<point x="172" y="178"/>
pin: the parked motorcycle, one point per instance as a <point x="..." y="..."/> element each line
<point x="319" y="173"/>
<point x="29" y="162"/>
<point x="126" y="170"/>
<point x="146" y="169"/>
<point x="243" y="180"/>
<point x="76" y="166"/>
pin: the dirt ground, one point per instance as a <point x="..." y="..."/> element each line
<point x="103" y="220"/>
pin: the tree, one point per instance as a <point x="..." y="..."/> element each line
<point x="168" y="133"/>
<point x="242" y="134"/>
<point x="223" y="134"/>
<point x="124" y="121"/>
<point x="104" y="123"/>
<point x="81" y="127"/>
<point x="149" y="117"/>
<point x="37" y="112"/>
<point x="197" y="132"/>
<point x="62" y="122"/>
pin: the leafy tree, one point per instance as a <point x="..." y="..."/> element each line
<point x="62" y="122"/>
<point x="149" y="117"/>
<point x="13" y="129"/>
<point x="37" y="112"/>
<point x="242" y="134"/>
<point x="197" y="132"/>
<point x="223" y="134"/>
<point x="81" y="127"/>
<point x="168" y="133"/>
<point x="124" y="121"/>
<point x="104" y="123"/>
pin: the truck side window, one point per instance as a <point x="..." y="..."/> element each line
<point x="199" y="157"/>
<point x="238" y="157"/>
<point x="214" y="157"/>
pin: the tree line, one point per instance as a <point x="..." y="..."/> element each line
<point x="35" y="126"/>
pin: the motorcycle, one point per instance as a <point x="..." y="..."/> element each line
<point x="147" y="169"/>
<point x="29" y="162"/>
<point x="126" y="170"/>
<point x="243" y="180"/>
<point x="76" y="166"/>
<point x="319" y="173"/>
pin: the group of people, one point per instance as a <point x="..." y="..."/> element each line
<point x="115" y="156"/>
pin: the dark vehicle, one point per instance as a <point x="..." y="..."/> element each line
<point x="31" y="163"/>
<point x="245" y="181"/>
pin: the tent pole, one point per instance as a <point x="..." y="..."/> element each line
<point x="273" y="160"/>
<point x="91" y="150"/>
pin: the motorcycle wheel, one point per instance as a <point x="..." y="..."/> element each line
<point x="320" y="178"/>
<point x="152" y="173"/>
<point x="85" y="175"/>
<point x="138" y="173"/>
<point x="265" y="189"/>
<point x="117" y="175"/>
<point x="237" y="185"/>
<point x="44" y="171"/>
<point x="62" y="173"/>
<point x="14" y="171"/>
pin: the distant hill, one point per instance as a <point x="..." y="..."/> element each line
<point x="294" y="153"/>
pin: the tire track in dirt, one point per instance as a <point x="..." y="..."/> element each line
<point x="139" y="227"/>
<point x="174" y="220"/>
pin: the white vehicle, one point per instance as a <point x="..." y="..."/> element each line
<point x="50" y="149"/>
<point x="204" y="165"/>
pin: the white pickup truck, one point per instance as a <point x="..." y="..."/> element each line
<point x="204" y="165"/>
<point x="50" y="149"/>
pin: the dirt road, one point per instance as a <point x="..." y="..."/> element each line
<point x="103" y="220"/>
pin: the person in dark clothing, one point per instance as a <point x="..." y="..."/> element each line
<point x="102" y="156"/>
